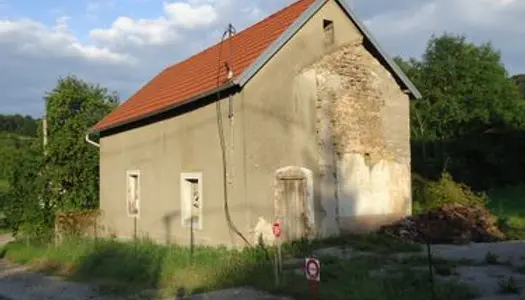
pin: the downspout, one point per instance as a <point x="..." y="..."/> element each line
<point x="90" y="141"/>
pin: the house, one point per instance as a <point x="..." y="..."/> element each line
<point x="301" y="117"/>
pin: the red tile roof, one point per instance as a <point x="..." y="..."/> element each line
<point x="198" y="74"/>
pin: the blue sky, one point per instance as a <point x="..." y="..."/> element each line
<point x="121" y="44"/>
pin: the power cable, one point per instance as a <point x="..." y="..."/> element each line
<point x="228" y="33"/>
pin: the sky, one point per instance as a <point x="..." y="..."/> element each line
<point x="122" y="44"/>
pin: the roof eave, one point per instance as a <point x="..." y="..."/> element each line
<point x="300" y="22"/>
<point x="206" y="94"/>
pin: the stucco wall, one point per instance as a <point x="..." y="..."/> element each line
<point x="338" y="112"/>
<point x="161" y="152"/>
<point x="304" y="108"/>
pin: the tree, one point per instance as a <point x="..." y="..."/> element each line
<point x="470" y="111"/>
<point x="520" y="82"/>
<point x="18" y="124"/>
<point x="22" y="205"/>
<point x="71" y="165"/>
<point x="65" y="176"/>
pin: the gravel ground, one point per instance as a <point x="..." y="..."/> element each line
<point x="481" y="276"/>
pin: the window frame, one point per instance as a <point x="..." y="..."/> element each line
<point x="186" y="202"/>
<point x="329" y="32"/>
<point x="130" y="174"/>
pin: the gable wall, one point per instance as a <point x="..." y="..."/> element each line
<point x="309" y="97"/>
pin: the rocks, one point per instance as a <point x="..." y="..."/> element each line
<point x="448" y="224"/>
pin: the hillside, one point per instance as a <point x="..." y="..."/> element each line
<point x="16" y="133"/>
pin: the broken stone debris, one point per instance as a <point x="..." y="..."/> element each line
<point x="448" y="224"/>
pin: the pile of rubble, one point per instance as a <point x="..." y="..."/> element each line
<point x="448" y="224"/>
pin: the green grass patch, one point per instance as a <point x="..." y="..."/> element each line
<point x="509" y="205"/>
<point x="133" y="267"/>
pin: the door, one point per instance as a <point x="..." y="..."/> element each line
<point x="292" y="208"/>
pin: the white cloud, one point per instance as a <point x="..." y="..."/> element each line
<point x="31" y="38"/>
<point x="499" y="21"/>
<point x="185" y="15"/>
<point x="162" y="30"/>
<point x="130" y="51"/>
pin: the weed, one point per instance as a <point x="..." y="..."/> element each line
<point x="507" y="203"/>
<point x="491" y="258"/>
<point x="134" y="267"/>
<point x="509" y="286"/>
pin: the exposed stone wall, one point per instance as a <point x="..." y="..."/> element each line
<point x="363" y="140"/>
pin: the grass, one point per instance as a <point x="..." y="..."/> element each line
<point x="133" y="267"/>
<point x="4" y="185"/>
<point x="509" y="286"/>
<point x="509" y="205"/>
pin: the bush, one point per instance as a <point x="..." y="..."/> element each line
<point x="427" y="194"/>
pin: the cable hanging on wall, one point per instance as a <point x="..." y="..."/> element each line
<point x="228" y="34"/>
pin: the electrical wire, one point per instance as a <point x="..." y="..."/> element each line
<point x="227" y="33"/>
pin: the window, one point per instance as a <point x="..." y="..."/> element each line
<point x="133" y="194"/>
<point x="191" y="200"/>
<point x="329" y="35"/>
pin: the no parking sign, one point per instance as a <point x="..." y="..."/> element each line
<point x="312" y="269"/>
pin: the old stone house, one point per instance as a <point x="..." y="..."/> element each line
<point x="300" y="117"/>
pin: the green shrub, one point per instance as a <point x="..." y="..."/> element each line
<point x="428" y="194"/>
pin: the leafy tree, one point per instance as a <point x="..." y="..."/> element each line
<point x="520" y="82"/>
<point x="72" y="164"/>
<point x="65" y="175"/>
<point x="22" y="203"/>
<point x="470" y="116"/>
<point x="18" y="124"/>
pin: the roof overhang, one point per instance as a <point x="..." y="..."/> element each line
<point x="223" y="88"/>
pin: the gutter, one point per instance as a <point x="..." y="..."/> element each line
<point x="91" y="141"/>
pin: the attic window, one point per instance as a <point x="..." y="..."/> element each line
<point x="329" y="36"/>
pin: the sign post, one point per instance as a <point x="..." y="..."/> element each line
<point x="312" y="269"/>
<point x="277" y="232"/>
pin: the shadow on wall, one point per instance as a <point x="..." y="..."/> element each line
<point x="169" y="221"/>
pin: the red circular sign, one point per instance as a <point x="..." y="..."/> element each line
<point x="276" y="228"/>
<point x="312" y="268"/>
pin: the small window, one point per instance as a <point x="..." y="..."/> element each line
<point x="191" y="200"/>
<point x="133" y="194"/>
<point x="329" y="35"/>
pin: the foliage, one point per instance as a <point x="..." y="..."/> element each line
<point x="18" y="124"/>
<point x="427" y="194"/>
<point x="520" y="82"/>
<point x="470" y="121"/>
<point x="72" y="107"/>
<point x="65" y="177"/>
<point x="508" y="204"/>
<point x="23" y="206"/>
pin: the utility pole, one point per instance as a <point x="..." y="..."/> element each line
<point x="44" y="132"/>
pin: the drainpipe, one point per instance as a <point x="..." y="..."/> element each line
<point x="90" y="141"/>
